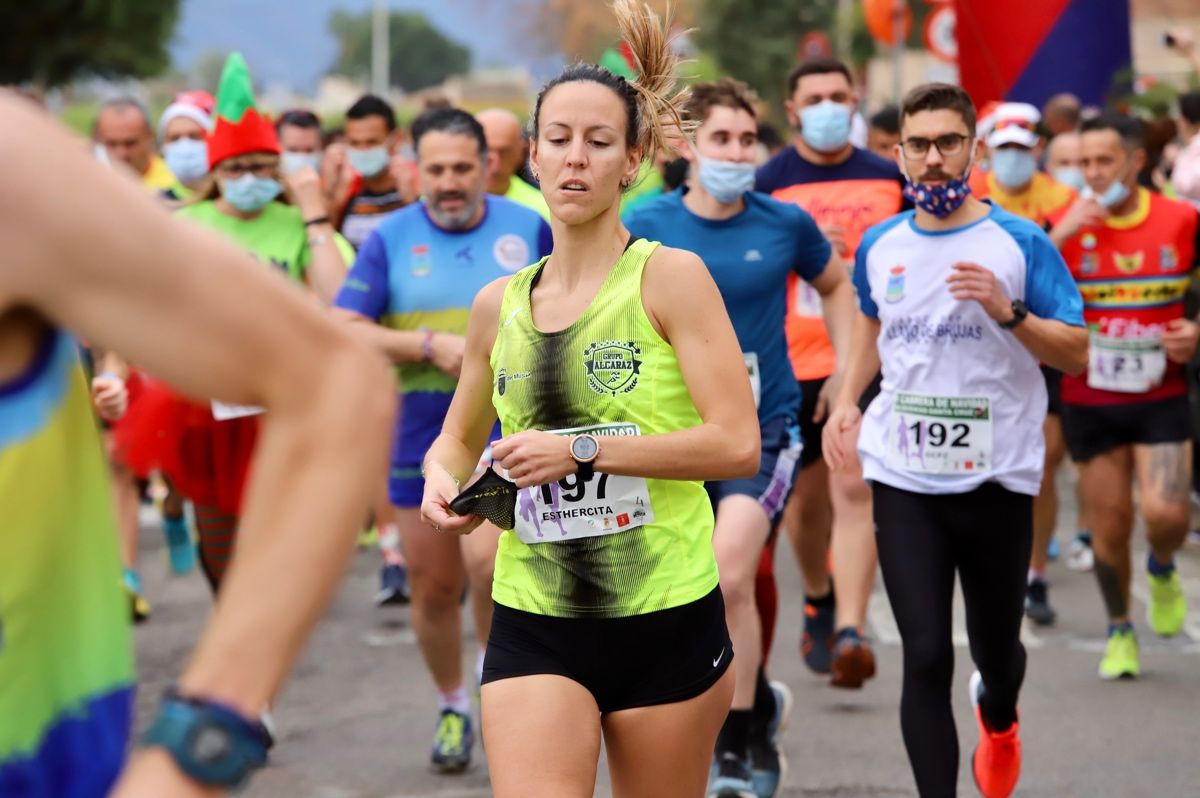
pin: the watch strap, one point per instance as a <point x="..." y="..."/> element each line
<point x="239" y="746"/>
<point x="1020" y="312"/>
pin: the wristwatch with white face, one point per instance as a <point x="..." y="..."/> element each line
<point x="585" y="449"/>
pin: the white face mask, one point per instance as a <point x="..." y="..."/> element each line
<point x="291" y="162"/>
<point x="726" y="181"/>
<point x="369" y="163"/>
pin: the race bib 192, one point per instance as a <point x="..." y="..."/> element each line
<point x="940" y="434"/>
<point x="574" y="508"/>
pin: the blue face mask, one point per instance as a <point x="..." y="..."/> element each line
<point x="292" y="162"/>
<point x="725" y="180"/>
<point x="825" y="126"/>
<point x="1070" y="176"/>
<point x="1013" y="167"/>
<point x="369" y="163"/>
<point x="1114" y="195"/>
<point x="249" y="193"/>
<point x="187" y="159"/>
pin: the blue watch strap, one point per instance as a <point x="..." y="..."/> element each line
<point x="210" y="742"/>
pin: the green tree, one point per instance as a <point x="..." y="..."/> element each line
<point x="756" y="40"/>
<point x="420" y="55"/>
<point x="52" y="42"/>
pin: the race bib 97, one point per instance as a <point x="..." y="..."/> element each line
<point x="940" y="434"/>
<point x="574" y="508"/>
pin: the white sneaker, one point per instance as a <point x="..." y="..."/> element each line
<point x="1079" y="554"/>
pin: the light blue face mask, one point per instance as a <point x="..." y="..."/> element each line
<point x="369" y="163"/>
<point x="825" y="126"/>
<point x="292" y="162"/>
<point x="249" y="193"/>
<point x="187" y="159"/>
<point x="1013" y="167"/>
<point x="1116" y="193"/>
<point x="1070" y="176"/>
<point x="725" y="180"/>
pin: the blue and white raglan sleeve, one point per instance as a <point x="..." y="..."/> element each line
<point x="1050" y="290"/>
<point x="365" y="290"/>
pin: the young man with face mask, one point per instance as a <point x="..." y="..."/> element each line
<point x="409" y="294"/>
<point x="960" y="302"/>
<point x="1016" y="185"/>
<point x="751" y="244"/>
<point x="299" y="132"/>
<point x="846" y="190"/>
<point x="371" y="138"/>
<point x="1132" y="252"/>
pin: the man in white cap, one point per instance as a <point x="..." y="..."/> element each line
<point x="1017" y="185"/>
<point x="1014" y="181"/>
<point x="182" y="129"/>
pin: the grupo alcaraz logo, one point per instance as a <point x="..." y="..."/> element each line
<point x="928" y="330"/>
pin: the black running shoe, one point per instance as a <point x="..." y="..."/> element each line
<point x="1037" y="603"/>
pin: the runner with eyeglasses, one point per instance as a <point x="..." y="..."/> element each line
<point x="960" y="301"/>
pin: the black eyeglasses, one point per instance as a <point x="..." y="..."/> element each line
<point x="948" y="144"/>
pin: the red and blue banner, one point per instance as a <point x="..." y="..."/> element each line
<point x="1030" y="50"/>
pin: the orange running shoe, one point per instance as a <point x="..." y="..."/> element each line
<point x="996" y="763"/>
<point x="853" y="660"/>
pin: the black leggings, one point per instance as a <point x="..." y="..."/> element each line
<point x="986" y="535"/>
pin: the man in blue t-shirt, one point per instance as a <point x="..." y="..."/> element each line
<point x="416" y="277"/>
<point x="751" y="245"/>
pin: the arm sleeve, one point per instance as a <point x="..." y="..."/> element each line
<point x="812" y="248"/>
<point x="861" y="285"/>
<point x="1050" y="290"/>
<point x="366" y="290"/>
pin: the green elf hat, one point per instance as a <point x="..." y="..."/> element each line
<point x="239" y="128"/>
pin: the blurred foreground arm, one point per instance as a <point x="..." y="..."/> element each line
<point x="204" y="316"/>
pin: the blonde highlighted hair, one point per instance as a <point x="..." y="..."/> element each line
<point x="654" y="100"/>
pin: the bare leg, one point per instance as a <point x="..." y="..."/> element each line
<point x="1045" y="506"/>
<point x="1105" y="487"/>
<point x="437" y="578"/>
<point x="543" y="738"/>
<point x="1164" y="474"/>
<point x="479" y="558"/>
<point x="640" y="741"/>
<point x="741" y="531"/>
<point x="809" y="519"/>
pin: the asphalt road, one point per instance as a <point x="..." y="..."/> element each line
<point x="356" y="719"/>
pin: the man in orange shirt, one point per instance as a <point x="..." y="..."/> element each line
<point x="1016" y="185"/>
<point x="847" y="190"/>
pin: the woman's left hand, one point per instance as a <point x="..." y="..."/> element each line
<point x="534" y="458"/>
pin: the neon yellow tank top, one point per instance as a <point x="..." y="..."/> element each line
<point x="612" y="546"/>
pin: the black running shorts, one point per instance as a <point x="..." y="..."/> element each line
<point x="639" y="661"/>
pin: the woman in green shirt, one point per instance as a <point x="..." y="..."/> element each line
<point x="619" y="384"/>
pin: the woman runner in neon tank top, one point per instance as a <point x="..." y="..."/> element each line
<point x="608" y="619"/>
